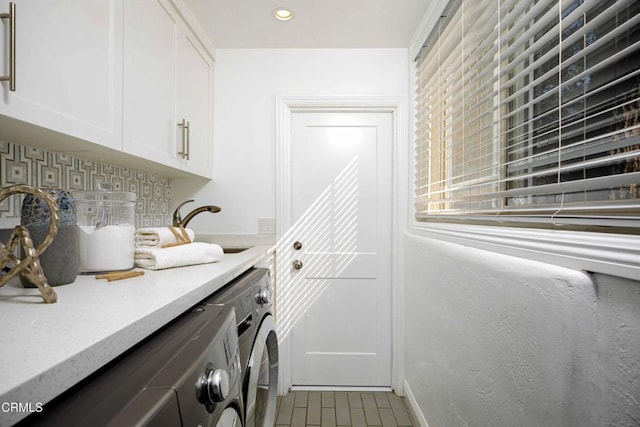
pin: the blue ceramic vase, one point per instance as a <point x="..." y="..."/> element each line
<point x="60" y="260"/>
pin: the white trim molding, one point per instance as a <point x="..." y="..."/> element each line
<point x="398" y="107"/>
<point x="613" y="254"/>
<point x="425" y="27"/>
<point x="412" y="402"/>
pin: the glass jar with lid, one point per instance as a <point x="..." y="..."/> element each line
<point x="106" y="230"/>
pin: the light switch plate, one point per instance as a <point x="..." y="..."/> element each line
<point x="266" y="226"/>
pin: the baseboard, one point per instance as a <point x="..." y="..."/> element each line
<point x="337" y="388"/>
<point x="412" y="403"/>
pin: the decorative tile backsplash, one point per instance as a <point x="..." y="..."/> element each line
<point x="41" y="168"/>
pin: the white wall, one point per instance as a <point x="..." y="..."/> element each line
<point x="246" y="84"/>
<point x="503" y="341"/>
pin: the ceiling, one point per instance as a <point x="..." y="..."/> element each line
<point x="316" y="23"/>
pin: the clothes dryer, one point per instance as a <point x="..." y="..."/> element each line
<point x="251" y="296"/>
<point x="188" y="374"/>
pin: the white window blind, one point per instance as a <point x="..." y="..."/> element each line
<point x="530" y="112"/>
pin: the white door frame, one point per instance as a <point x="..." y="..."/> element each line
<point x="397" y="106"/>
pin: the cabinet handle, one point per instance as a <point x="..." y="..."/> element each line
<point x="188" y="151"/>
<point x="11" y="16"/>
<point x="184" y="126"/>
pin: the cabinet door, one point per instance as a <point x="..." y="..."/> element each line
<point x="68" y="67"/>
<point x="150" y="122"/>
<point x="195" y="92"/>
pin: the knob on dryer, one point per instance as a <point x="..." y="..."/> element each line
<point x="214" y="387"/>
<point x="263" y="296"/>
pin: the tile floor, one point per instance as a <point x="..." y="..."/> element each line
<point x="341" y="408"/>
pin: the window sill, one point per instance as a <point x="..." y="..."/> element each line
<point x="614" y="254"/>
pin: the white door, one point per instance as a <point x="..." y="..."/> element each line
<point x="336" y="302"/>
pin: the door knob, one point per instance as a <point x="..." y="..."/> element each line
<point x="297" y="246"/>
<point x="297" y="264"/>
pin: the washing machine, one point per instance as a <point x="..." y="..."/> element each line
<point x="188" y="374"/>
<point x="251" y="296"/>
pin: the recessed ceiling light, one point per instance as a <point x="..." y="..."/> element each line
<point x="282" y="14"/>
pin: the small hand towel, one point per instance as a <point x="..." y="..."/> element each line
<point x="158" y="236"/>
<point x="177" y="256"/>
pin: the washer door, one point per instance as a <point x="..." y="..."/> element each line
<point x="261" y="378"/>
<point x="229" y="418"/>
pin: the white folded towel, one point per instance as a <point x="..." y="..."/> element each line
<point x="177" y="256"/>
<point x="159" y="236"/>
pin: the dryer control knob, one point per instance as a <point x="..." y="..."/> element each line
<point x="218" y="385"/>
<point x="213" y="388"/>
<point x="263" y="296"/>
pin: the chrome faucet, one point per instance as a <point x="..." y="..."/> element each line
<point x="177" y="218"/>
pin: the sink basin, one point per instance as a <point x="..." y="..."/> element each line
<point x="235" y="250"/>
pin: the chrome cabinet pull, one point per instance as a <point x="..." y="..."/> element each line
<point x="188" y="144"/>
<point x="297" y="264"/>
<point x="186" y="137"/>
<point x="183" y="127"/>
<point x="11" y="16"/>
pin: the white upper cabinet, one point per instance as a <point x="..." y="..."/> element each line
<point x="168" y="94"/>
<point x="195" y="104"/>
<point x="150" y="38"/>
<point x="113" y="80"/>
<point x="68" y="62"/>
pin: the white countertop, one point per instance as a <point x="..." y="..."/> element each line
<point x="47" y="348"/>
